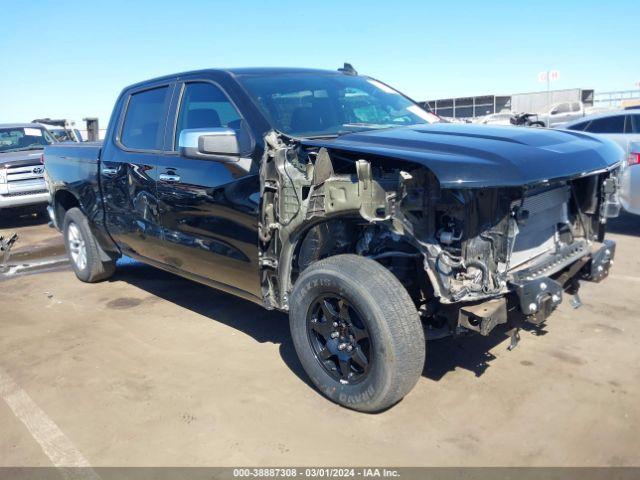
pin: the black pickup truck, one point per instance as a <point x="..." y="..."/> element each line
<point x="333" y="197"/>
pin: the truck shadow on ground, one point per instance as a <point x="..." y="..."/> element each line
<point x="262" y="325"/>
<point x="471" y="352"/>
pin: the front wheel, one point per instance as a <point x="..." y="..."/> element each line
<point x="83" y="250"/>
<point x="357" y="332"/>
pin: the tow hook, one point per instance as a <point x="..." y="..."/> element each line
<point x="538" y="298"/>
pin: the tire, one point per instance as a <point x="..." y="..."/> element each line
<point x="373" y="299"/>
<point x="88" y="267"/>
<point x="537" y="124"/>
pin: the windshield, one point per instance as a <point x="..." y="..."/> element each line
<point x="314" y="105"/>
<point x="23" y="138"/>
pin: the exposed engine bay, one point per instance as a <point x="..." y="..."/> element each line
<point x="465" y="255"/>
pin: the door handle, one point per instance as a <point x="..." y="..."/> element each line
<point x="109" y="172"/>
<point x="169" y="178"/>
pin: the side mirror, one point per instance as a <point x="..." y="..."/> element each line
<point x="208" y="143"/>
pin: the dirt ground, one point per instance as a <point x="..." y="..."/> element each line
<point x="151" y="369"/>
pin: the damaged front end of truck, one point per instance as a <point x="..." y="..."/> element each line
<point x="471" y="254"/>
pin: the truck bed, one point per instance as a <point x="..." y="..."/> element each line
<point x="74" y="167"/>
<point x="71" y="162"/>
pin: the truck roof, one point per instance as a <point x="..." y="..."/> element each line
<point x="279" y="71"/>
<point x="240" y="72"/>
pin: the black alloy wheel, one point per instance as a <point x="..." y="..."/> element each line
<point x="339" y="339"/>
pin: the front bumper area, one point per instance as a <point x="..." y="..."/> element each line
<point x="534" y="299"/>
<point x="601" y="262"/>
<point x="23" y="199"/>
<point x="538" y="297"/>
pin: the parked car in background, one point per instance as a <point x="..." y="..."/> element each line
<point x="630" y="180"/>
<point x="623" y="127"/>
<point x="503" y="118"/>
<point x="333" y="197"/>
<point x="21" y="171"/>
<point x="559" y="114"/>
<point x="632" y="104"/>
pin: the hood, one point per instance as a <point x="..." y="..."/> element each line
<point x="16" y="159"/>
<point x="485" y="156"/>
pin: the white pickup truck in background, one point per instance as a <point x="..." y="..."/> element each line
<point x="557" y="114"/>
<point x="22" y="181"/>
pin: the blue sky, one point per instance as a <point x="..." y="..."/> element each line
<point x="71" y="58"/>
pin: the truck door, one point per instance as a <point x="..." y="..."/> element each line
<point x="208" y="207"/>
<point x="560" y="114"/>
<point x="129" y="170"/>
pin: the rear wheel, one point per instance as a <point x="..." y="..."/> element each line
<point x="83" y="250"/>
<point x="357" y="332"/>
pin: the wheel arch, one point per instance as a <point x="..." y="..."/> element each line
<point x="292" y="252"/>
<point x="63" y="201"/>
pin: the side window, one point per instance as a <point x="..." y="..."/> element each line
<point x="204" y="105"/>
<point x="578" y="126"/>
<point x="561" y="108"/>
<point x="575" y="107"/>
<point x="143" y="122"/>
<point x="635" y="123"/>
<point x="614" y="124"/>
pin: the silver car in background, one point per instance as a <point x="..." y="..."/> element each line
<point x="623" y="127"/>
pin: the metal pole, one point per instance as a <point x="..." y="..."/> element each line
<point x="548" y="89"/>
<point x="93" y="129"/>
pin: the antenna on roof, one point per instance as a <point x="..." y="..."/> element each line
<point x="348" y="69"/>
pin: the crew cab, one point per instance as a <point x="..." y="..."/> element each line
<point x="21" y="170"/>
<point x="335" y="198"/>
